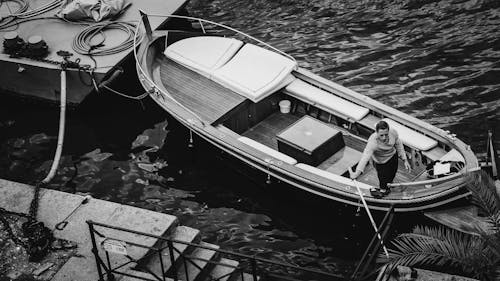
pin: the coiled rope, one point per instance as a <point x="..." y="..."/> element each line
<point x="84" y="42"/>
<point x="22" y="6"/>
<point x="22" y="12"/>
<point x="25" y="13"/>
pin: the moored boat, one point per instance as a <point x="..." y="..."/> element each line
<point x="255" y="103"/>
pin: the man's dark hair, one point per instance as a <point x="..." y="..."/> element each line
<point x="381" y="125"/>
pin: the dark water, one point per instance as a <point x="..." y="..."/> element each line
<point x="436" y="60"/>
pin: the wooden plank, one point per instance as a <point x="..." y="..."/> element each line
<point x="209" y="100"/>
<point x="369" y="176"/>
<point x="464" y="219"/>
<point x="341" y="161"/>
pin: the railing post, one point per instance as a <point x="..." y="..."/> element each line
<point x="172" y="259"/>
<point x="185" y="266"/>
<point x="367" y="257"/>
<point x="94" y="250"/>
<point x="110" y="275"/>
<point x="161" y="264"/>
<point x="386" y="224"/>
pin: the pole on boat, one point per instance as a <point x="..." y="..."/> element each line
<point x="491" y="150"/>
<point x="147" y="25"/>
<point x="370" y="216"/>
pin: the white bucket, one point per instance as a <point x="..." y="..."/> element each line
<point x="285" y="106"/>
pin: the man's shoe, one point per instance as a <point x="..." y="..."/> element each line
<point x="385" y="191"/>
<point x="376" y="192"/>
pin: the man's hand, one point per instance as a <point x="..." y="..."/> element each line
<point x="353" y="175"/>
<point x="407" y="165"/>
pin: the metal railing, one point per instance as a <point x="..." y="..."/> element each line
<point x="114" y="256"/>
<point x="361" y="271"/>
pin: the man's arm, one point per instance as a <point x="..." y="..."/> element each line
<point x="401" y="151"/>
<point x="367" y="153"/>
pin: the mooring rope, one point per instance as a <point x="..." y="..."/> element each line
<point x="38" y="235"/>
<point x="82" y="43"/>
<point x="60" y="137"/>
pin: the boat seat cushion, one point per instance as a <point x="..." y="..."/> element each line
<point x="274" y="153"/>
<point x="453" y="155"/>
<point x="326" y="101"/>
<point x="203" y="54"/>
<point x="331" y="176"/>
<point x="255" y="72"/>
<point x="411" y="137"/>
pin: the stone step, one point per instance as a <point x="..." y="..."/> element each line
<point x="180" y="233"/>
<point x="224" y="270"/>
<point x="200" y="259"/>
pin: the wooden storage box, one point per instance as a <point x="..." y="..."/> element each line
<point x="310" y="141"/>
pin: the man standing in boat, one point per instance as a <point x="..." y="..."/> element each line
<point x="383" y="148"/>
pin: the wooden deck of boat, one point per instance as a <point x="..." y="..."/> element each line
<point x="207" y="99"/>
<point x="416" y="174"/>
<point x="265" y="132"/>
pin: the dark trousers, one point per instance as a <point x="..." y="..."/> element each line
<point x="387" y="171"/>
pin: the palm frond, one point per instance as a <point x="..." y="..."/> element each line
<point x="439" y="246"/>
<point x="483" y="190"/>
<point x="494" y="221"/>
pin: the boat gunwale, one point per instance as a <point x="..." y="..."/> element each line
<point x="215" y="137"/>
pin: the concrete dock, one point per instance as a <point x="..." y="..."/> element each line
<point x="54" y="206"/>
<point x="41" y="79"/>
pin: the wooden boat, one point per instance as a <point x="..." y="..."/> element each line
<point x="230" y="88"/>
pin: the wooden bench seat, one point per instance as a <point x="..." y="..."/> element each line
<point x="266" y="149"/>
<point x="331" y="176"/>
<point x="411" y="137"/>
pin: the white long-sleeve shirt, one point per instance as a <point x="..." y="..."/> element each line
<point x="381" y="152"/>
